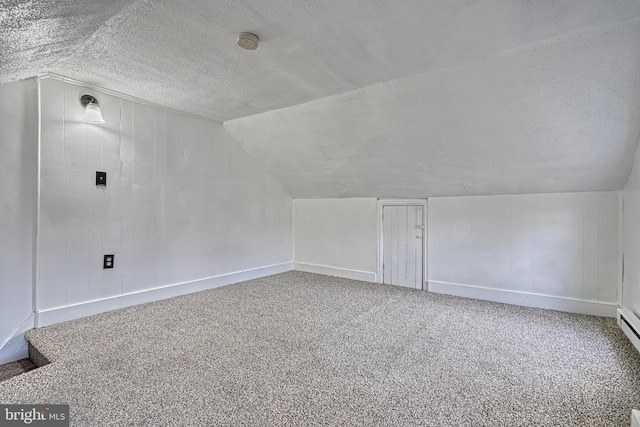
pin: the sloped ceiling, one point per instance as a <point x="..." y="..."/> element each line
<point x="365" y="97"/>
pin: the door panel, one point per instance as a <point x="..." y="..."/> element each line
<point x="403" y="231"/>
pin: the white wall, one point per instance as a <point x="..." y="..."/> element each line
<point x="546" y="250"/>
<point x="18" y="139"/>
<point x="338" y="237"/>
<point x="631" y="240"/>
<point x="184" y="205"/>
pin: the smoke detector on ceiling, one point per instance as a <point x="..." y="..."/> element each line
<point x="248" y="41"/>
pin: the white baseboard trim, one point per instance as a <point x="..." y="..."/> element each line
<point x="366" y="276"/>
<point x="635" y="418"/>
<point x="62" y="314"/>
<point x="16" y="347"/>
<point x="526" y="299"/>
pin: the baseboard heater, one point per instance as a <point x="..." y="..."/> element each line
<point x="630" y="325"/>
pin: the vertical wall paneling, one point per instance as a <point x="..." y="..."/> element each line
<point x="79" y="221"/>
<point x="185" y="207"/>
<point x="18" y="138"/>
<point x="110" y="206"/>
<point x="548" y="250"/>
<point x="52" y="280"/>
<point x="621" y="239"/>
<point x="631" y="244"/>
<point x="337" y="237"/>
<point x="78" y="148"/>
<point x="148" y="210"/>
<point x="122" y="192"/>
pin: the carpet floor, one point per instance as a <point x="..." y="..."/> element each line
<point x="299" y="349"/>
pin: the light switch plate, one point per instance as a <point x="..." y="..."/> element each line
<point x="101" y="179"/>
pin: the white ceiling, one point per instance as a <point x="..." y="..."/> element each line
<point x="368" y="97"/>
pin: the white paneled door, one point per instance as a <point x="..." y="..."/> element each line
<point x="402" y="245"/>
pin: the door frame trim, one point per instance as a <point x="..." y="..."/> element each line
<point x="402" y="202"/>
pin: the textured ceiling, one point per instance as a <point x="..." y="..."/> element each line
<point x="368" y="97"/>
<point x="562" y="115"/>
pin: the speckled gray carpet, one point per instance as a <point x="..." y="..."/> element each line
<point x="303" y="349"/>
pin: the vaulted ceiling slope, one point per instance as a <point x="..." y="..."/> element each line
<point x="368" y="97"/>
<point x="560" y="115"/>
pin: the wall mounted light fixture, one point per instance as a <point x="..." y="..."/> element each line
<point x="92" y="113"/>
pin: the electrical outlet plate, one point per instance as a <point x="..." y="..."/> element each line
<point x="108" y="261"/>
<point x="101" y="179"/>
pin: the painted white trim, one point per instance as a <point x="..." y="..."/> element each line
<point x="633" y="320"/>
<point x="425" y="246"/>
<point x="635" y="418"/>
<point x="121" y="95"/>
<point x="402" y="202"/>
<point x="527" y="299"/>
<point x="425" y="235"/>
<point x="89" y="308"/>
<point x="366" y="276"/>
<point x="36" y="221"/>
<point x="620" y="246"/>
<point x="293" y="231"/>
<point x="15" y="347"/>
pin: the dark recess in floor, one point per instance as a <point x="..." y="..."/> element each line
<point x="10" y="370"/>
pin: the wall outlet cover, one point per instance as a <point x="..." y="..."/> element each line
<point x="108" y="261"/>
